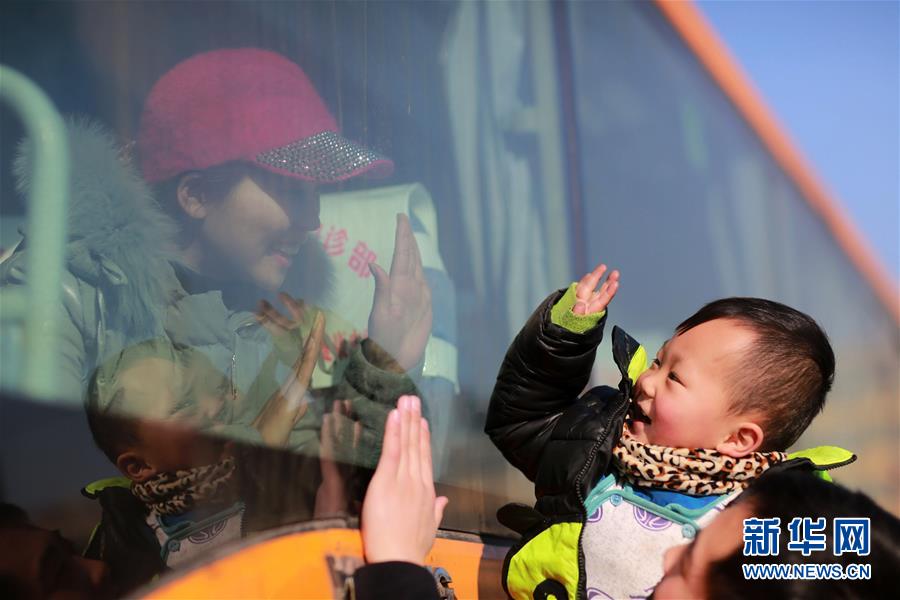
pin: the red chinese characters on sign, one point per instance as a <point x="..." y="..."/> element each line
<point x="360" y="259"/>
<point x="334" y="241"/>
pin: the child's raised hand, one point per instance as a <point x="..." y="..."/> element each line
<point x="589" y="301"/>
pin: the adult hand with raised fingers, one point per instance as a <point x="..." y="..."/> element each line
<point x="401" y="514"/>
<point x="287" y="329"/>
<point x="289" y="402"/>
<point x="588" y="298"/>
<point x="401" y="316"/>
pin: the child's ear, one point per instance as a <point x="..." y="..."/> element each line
<point x="744" y="439"/>
<point x="190" y="195"/>
<point x="134" y="467"/>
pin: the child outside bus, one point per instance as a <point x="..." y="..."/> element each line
<point x="623" y="474"/>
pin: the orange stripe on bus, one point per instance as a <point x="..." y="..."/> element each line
<point x="712" y="53"/>
<point x="296" y="566"/>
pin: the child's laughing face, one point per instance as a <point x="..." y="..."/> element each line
<point x="687" y="390"/>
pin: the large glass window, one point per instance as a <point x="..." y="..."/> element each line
<point x="681" y="195"/>
<point x="527" y="141"/>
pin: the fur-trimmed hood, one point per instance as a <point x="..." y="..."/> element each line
<point x="120" y="238"/>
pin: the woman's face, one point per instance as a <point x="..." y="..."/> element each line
<point x="256" y="230"/>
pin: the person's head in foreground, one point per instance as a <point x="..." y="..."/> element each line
<point x="236" y="141"/>
<point x="739" y="376"/>
<point x="38" y="563"/>
<point x="711" y="565"/>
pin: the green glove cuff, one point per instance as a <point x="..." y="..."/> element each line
<point x="561" y="314"/>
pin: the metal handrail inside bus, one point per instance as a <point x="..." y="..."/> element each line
<point x="33" y="309"/>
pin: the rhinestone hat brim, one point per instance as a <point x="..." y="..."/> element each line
<point x="324" y="157"/>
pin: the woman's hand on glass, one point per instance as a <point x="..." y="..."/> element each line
<point x="286" y="329"/>
<point x="289" y="402"/>
<point x="400" y="321"/>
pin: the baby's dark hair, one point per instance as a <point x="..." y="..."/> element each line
<point x="112" y="420"/>
<point x="788" y="371"/>
<point x="113" y="434"/>
<point x="787" y="494"/>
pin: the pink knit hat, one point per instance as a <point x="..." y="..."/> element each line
<point x="245" y="104"/>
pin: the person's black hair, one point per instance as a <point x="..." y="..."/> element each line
<point x="796" y="493"/>
<point x="215" y="182"/>
<point x="113" y="434"/>
<point x="12" y="515"/>
<point x="113" y="428"/>
<point x="787" y="373"/>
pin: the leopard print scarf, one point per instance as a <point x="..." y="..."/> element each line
<point x="694" y="471"/>
<point x="178" y="492"/>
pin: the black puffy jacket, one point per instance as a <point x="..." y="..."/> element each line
<point x="560" y="441"/>
<point x="563" y="443"/>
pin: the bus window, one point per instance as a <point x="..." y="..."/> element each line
<point x="679" y="191"/>
<point x="241" y="302"/>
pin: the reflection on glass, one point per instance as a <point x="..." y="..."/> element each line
<point x="238" y="171"/>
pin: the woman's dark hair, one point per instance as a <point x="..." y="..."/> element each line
<point x="787" y="373"/>
<point x="795" y="493"/>
<point x="215" y="182"/>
